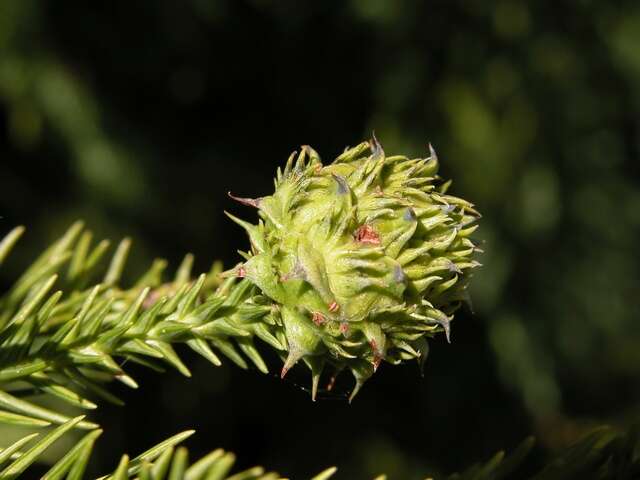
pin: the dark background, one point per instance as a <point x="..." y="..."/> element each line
<point x="139" y="116"/>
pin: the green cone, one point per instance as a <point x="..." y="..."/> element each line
<point x="362" y="258"/>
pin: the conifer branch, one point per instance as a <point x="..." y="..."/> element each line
<point x="69" y="344"/>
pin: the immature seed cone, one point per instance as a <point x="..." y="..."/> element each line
<point x="362" y="258"/>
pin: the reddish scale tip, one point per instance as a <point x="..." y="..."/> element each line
<point x="318" y="318"/>
<point x="377" y="356"/>
<point x="376" y="363"/>
<point x="334" y="307"/>
<point x="367" y="234"/>
<point x="241" y="273"/>
<point x="344" y="328"/>
<point x="332" y="382"/>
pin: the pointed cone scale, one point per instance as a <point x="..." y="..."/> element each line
<point x="302" y="336"/>
<point x="292" y="359"/>
<point x="315" y="380"/>
<point x="446" y="325"/>
<point x="377" y="342"/>
<point x="361" y="371"/>
<point x="316" y="365"/>
<point x="355" y="390"/>
<point x="235" y="272"/>
<point x="376" y="147"/>
<point x="343" y="186"/>
<point x="432" y="152"/>
<point x="250" y="202"/>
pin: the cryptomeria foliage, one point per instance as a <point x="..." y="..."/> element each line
<point x="351" y="264"/>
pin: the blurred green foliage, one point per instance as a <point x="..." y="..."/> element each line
<point x="139" y="117"/>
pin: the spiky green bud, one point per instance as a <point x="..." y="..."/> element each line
<point x="361" y="258"/>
